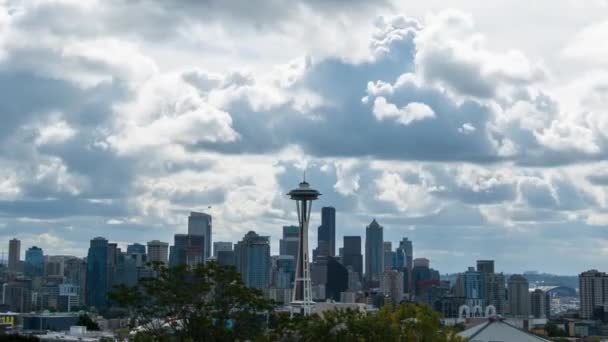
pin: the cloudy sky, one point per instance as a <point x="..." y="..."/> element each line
<point x="478" y="131"/>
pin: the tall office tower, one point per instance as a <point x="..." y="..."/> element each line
<point x="221" y="246"/>
<point x="593" y="291"/>
<point x="539" y="304"/>
<point x="354" y="280"/>
<point x="187" y="250"/>
<point x="14" y="254"/>
<point x="351" y="254"/>
<point x="113" y="252"/>
<point x="288" y="245"/>
<point x="327" y="233"/>
<point x="158" y="251"/>
<point x="328" y="273"/>
<point x="125" y="270"/>
<point x="374" y="251"/>
<point x="225" y="258"/>
<point x="136" y="248"/>
<point x="97" y="274"/>
<point x="76" y="274"/>
<point x="404" y="254"/>
<point x="252" y="257"/>
<point x="422" y="262"/>
<point x="473" y="286"/>
<point x="485" y="266"/>
<point x="285" y="271"/>
<point x="178" y="250"/>
<point x="392" y="285"/>
<point x="519" y="296"/>
<point x="495" y="291"/>
<point x="200" y="224"/>
<point x="17" y="295"/>
<point x="302" y="289"/>
<point x="404" y="257"/>
<point x="423" y="276"/>
<point x="337" y="279"/>
<point x="34" y="262"/>
<point x="195" y="250"/>
<point x="387" y="256"/>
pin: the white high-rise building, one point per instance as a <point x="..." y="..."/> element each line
<point x="392" y="285"/>
<point x="200" y="224"/>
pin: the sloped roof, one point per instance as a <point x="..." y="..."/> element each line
<point x="498" y="330"/>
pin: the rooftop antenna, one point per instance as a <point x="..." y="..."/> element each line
<point x="304" y="176"/>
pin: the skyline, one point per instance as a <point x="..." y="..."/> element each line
<point x="311" y="247"/>
<point x="475" y="132"/>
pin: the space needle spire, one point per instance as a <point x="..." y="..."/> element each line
<point x="302" y="289"/>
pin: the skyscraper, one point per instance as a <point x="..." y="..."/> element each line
<point x="473" y="286"/>
<point x="221" y="246"/>
<point x="387" y="256"/>
<point x="187" y="250"/>
<point x="14" y="254"/>
<point x="97" y="274"/>
<point x="34" y="262"/>
<point x="351" y="254"/>
<point x="519" y="296"/>
<point x="392" y="285"/>
<point x="285" y="271"/>
<point x="495" y="292"/>
<point x="423" y="277"/>
<point x="158" y="251"/>
<point x="593" y="291"/>
<point x="136" y="248"/>
<point x="195" y="250"/>
<point x="374" y="252"/>
<point x="326" y="233"/>
<point x="485" y="266"/>
<point x="404" y="257"/>
<point x="76" y="275"/>
<point x="288" y="245"/>
<point x="200" y="224"/>
<point x="539" y="304"/>
<point x="337" y="279"/>
<point x="252" y="257"/>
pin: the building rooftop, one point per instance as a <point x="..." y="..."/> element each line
<point x="496" y="329"/>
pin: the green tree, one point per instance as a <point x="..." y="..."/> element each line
<point x="415" y="323"/>
<point x="554" y="331"/>
<point x="204" y="303"/>
<point x="85" y="320"/>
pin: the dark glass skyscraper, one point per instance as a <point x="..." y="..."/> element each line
<point x="326" y="234"/>
<point x="337" y="279"/>
<point x="34" y="262"/>
<point x="351" y="254"/>
<point x="97" y="274"/>
<point x="374" y="252"/>
<point x="485" y="266"/>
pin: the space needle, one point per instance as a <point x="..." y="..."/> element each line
<point x="302" y="289"/>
